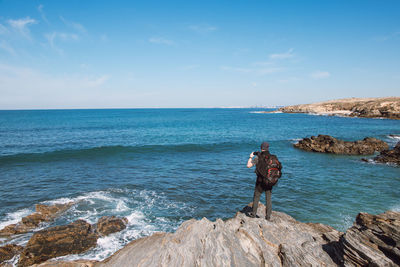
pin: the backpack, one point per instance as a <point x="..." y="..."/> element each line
<point x="268" y="169"/>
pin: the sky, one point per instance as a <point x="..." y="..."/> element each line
<point x="180" y="54"/>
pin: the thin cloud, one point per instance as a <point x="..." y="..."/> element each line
<point x="257" y="71"/>
<point x="160" y="40"/>
<point x="42" y="14"/>
<point x="21" y="25"/>
<point x="387" y="37"/>
<point x="285" y="55"/>
<point x="318" y="75"/>
<point x="75" y="25"/>
<point x="3" y="29"/>
<point x="8" y="48"/>
<point x="61" y="36"/>
<point x="202" y="28"/>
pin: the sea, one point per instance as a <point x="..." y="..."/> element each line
<point x="160" y="167"/>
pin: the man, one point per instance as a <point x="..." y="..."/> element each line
<point x="268" y="170"/>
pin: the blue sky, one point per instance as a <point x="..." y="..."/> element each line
<point x="131" y="54"/>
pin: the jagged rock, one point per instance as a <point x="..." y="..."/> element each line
<point x="73" y="238"/>
<point x="44" y="213"/>
<point x="7" y="252"/>
<point x="329" y="144"/>
<point x="390" y="156"/>
<point x="110" y="224"/>
<point x="374" y="240"/>
<point x="240" y="241"/>
<point x="386" y="107"/>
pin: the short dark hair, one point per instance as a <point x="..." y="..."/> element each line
<point x="265" y="146"/>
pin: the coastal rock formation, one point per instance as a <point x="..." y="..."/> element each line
<point x="389" y="156"/>
<point x="7" y="252"/>
<point x="240" y="241"/>
<point x="110" y="224"/>
<point x="388" y="107"/>
<point x="44" y="213"/>
<point x="374" y="240"/>
<point x="329" y="144"/>
<point x="73" y="238"/>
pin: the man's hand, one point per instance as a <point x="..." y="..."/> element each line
<point x="252" y="155"/>
<point x="250" y="161"/>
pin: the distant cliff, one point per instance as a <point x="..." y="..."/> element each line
<point x="388" y="107"/>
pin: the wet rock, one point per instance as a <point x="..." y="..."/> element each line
<point x="73" y="238"/>
<point x="44" y="213"/>
<point x="374" y="240"/>
<point x="329" y="144"/>
<point x="389" y="156"/>
<point x="77" y="263"/>
<point x="110" y="224"/>
<point x="7" y="252"/>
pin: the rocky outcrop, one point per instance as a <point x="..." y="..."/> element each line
<point x="73" y="238"/>
<point x="44" y="213"/>
<point x="7" y="252"/>
<point x="389" y="156"/>
<point x="110" y="224"/>
<point x="374" y="240"/>
<point x="329" y="144"/>
<point x="388" y="107"/>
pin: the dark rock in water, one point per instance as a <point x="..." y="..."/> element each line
<point x="329" y="144"/>
<point x="7" y="252"/>
<point x="390" y="156"/>
<point x="73" y="238"/>
<point x="44" y="213"/>
<point x="110" y="224"/>
<point x="374" y="240"/>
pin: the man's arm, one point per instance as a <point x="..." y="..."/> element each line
<point x="250" y="161"/>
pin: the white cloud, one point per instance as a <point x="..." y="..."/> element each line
<point x="21" y="25"/>
<point x="285" y="55"/>
<point x="317" y="75"/>
<point x="257" y="71"/>
<point x="40" y="9"/>
<point x="160" y="40"/>
<point x="75" y="25"/>
<point x="7" y="47"/>
<point x="202" y="28"/>
<point x="62" y="36"/>
<point x="22" y="87"/>
<point x="3" y="29"/>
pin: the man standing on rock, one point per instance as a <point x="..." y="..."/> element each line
<point x="268" y="170"/>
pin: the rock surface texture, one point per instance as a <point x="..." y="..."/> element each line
<point x="373" y="240"/>
<point x="110" y="224"/>
<point x="388" y="107"/>
<point x="390" y="156"/>
<point x="44" y="213"/>
<point x="73" y="238"/>
<point x="7" y="252"/>
<point x="329" y="144"/>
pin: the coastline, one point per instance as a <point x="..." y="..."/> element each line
<point x="385" y="107"/>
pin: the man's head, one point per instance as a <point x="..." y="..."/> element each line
<point x="264" y="146"/>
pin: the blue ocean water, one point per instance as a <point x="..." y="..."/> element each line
<point x="159" y="167"/>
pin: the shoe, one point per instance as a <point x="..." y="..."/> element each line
<point x="251" y="215"/>
<point x="268" y="218"/>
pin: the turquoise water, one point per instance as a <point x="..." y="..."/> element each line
<point x="160" y="167"/>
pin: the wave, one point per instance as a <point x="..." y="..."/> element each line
<point x="105" y="151"/>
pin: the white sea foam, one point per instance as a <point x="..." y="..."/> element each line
<point x="14" y="217"/>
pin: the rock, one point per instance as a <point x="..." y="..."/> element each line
<point x="7" y="252"/>
<point x="73" y="238"/>
<point x="390" y="156"/>
<point x="374" y="240"/>
<point x="108" y="225"/>
<point x="44" y="213"/>
<point x="240" y="241"/>
<point x="387" y="107"/>
<point x="329" y="144"/>
<point x="77" y="263"/>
